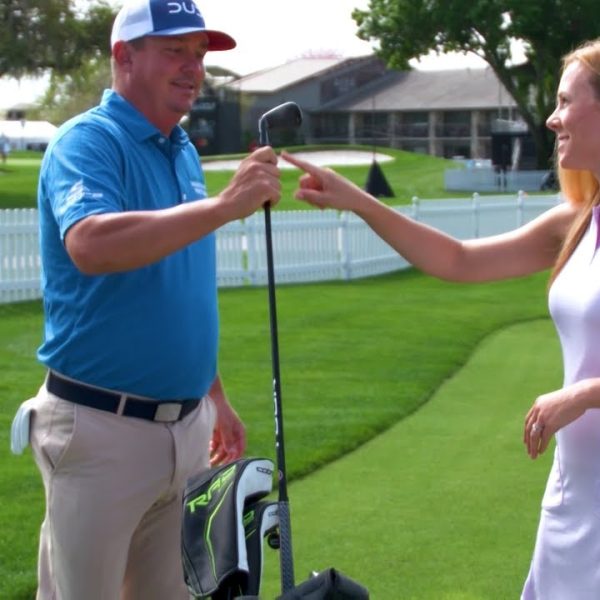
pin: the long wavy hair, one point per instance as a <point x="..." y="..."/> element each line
<point x="579" y="187"/>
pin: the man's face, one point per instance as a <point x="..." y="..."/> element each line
<point x="165" y="76"/>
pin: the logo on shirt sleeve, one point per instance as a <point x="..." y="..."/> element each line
<point x="199" y="188"/>
<point x="76" y="193"/>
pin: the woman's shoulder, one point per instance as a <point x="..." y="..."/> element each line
<point x="561" y="218"/>
<point x="565" y="212"/>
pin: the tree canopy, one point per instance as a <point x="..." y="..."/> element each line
<point x="37" y="35"/>
<point x="74" y="92"/>
<point x="548" y="29"/>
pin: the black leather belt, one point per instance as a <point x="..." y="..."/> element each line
<point x="164" y="411"/>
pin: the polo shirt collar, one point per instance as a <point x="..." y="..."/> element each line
<point x="135" y="122"/>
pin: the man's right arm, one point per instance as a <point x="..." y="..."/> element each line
<point x="121" y="241"/>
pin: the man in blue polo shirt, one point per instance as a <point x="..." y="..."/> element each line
<point x="132" y="404"/>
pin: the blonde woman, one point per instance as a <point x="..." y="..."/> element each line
<point x="566" y="560"/>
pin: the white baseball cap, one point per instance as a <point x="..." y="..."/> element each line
<point x="139" y="18"/>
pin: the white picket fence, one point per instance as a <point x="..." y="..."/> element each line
<point x="486" y="179"/>
<point x="19" y="255"/>
<point x="307" y="245"/>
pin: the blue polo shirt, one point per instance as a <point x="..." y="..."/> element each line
<point x="151" y="331"/>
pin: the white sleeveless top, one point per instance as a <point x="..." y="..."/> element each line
<point x="566" y="560"/>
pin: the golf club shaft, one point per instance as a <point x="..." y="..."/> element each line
<point x="283" y="496"/>
<point x="285" y="527"/>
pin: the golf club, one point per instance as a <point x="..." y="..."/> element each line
<point x="285" y="116"/>
<point x="289" y="116"/>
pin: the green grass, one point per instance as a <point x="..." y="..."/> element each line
<point x="356" y="358"/>
<point x="20" y="488"/>
<point x="18" y="180"/>
<point x="408" y="175"/>
<point x="369" y="344"/>
<point x="445" y="505"/>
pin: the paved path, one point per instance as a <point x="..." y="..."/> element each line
<point x="319" y="157"/>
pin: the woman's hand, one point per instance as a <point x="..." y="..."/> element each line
<point x="324" y="188"/>
<point x="551" y="412"/>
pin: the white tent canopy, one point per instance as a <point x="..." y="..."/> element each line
<point x="27" y="134"/>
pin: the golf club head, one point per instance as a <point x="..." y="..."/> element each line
<point x="285" y="116"/>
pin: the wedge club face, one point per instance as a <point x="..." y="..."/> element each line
<point x="285" y="116"/>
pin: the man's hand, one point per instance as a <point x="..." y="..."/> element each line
<point x="228" y="442"/>
<point x="255" y="183"/>
<point x="229" y="437"/>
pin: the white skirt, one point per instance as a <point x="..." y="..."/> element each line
<point x="566" y="559"/>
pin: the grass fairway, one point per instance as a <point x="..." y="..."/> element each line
<point x="408" y="175"/>
<point x="18" y="180"/>
<point x="444" y="505"/>
<point x="20" y="488"/>
<point x="356" y="358"/>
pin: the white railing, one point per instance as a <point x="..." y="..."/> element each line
<point x="19" y="255"/>
<point x="307" y="245"/>
<point x="486" y="179"/>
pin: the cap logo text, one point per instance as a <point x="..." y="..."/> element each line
<point x="188" y="7"/>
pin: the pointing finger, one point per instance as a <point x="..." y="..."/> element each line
<point x="301" y="164"/>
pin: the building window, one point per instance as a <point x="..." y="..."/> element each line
<point x="453" y="149"/>
<point x="331" y="126"/>
<point x="454" y="124"/>
<point x="372" y="125"/>
<point x="412" y="124"/>
<point x="486" y="120"/>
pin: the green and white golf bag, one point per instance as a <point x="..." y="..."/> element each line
<point x="224" y="523"/>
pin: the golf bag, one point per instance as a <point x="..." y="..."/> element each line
<point x="224" y="523"/>
<point x="327" y="585"/>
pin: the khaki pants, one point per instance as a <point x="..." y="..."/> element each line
<point x="113" y="500"/>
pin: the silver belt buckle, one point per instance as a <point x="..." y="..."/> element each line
<point x="167" y="412"/>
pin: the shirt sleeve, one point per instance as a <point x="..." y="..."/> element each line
<point x="84" y="176"/>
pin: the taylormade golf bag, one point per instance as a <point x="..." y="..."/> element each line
<point x="224" y="523"/>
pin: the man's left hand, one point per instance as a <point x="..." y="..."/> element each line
<point x="229" y="436"/>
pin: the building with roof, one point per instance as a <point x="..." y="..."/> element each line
<point x="443" y="113"/>
<point x="360" y="101"/>
<point x="27" y="135"/>
<point x="310" y="82"/>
